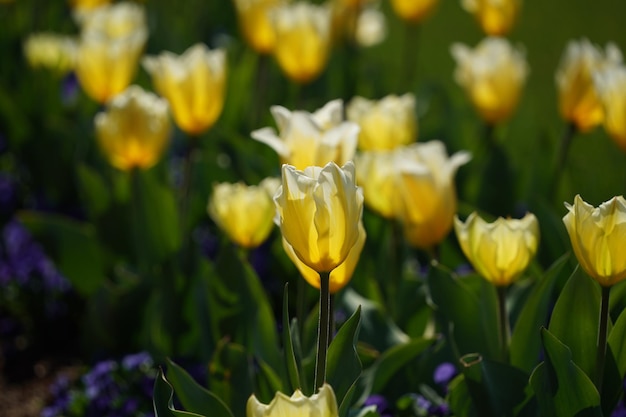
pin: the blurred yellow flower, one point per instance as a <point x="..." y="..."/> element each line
<point x="495" y="17"/>
<point x="378" y="175"/>
<point x="386" y="123"/>
<point x="50" y="51"/>
<point x="322" y="404"/>
<point x="255" y="24"/>
<point x="598" y="235"/>
<point x="311" y="139"/>
<point x="134" y="130"/>
<point x="492" y="75"/>
<point x="111" y="41"/>
<point x="413" y="11"/>
<point x="611" y="87"/>
<point x="87" y="4"/>
<point x="371" y="27"/>
<point x="426" y="184"/>
<point x="303" y="33"/>
<point x="319" y="211"/>
<point x="498" y="251"/>
<point x="578" y="99"/>
<point x="244" y="212"/>
<point x="193" y="83"/>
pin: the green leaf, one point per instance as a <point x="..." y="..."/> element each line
<point x="163" y="396"/>
<point x="290" y="358"/>
<point x="459" y="398"/>
<point x="561" y="387"/>
<point x="95" y="193"/>
<point x="343" y="364"/>
<point x="471" y="321"/>
<point x="193" y="397"/>
<point x="525" y="345"/>
<point x="230" y="377"/>
<point x="496" y="388"/>
<point x="73" y="246"/>
<point x="617" y="336"/>
<point x="574" y="320"/>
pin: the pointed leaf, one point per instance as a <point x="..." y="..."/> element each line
<point x="344" y="366"/>
<point x="525" y="344"/>
<point x="561" y="387"/>
<point x="163" y="396"/>
<point x="94" y="191"/>
<point x="194" y="397"/>
<point x="290" y="358"/>
<point x="616" y="343"/>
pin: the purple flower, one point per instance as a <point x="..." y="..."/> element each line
<point x="381" y="404"/>
<point x="422" y="403"/>
<point x="444" y="373"/>
<point x="137" y="360"/>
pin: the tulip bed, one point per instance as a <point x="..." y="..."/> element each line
<point x="342" y="208"/>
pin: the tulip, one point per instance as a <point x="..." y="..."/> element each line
<point x="134" y="130"/>
<point x="379" y="176"/>
<point x="321" y="404"/>
<point x="319" y="211"/>
<point x="230" y="207"/>
<point x="495" y="17"/>
<point x="87" y="4"/>
<point x="498" y="251"/>
<point x="303" y="31"/>
<point x="193" y="83"/>
<point x="597" y="237"/>
<point x="425" y="181"/>
<point x="611" y="87"/>
<point x="578" y="100"/>
<point x="111" y="41"/>
<point x="492" y="75"/>
<point x="255" y="24"/>
<point x="371" y="27"/>
<point x="51" y="51"/>
<point x="310" y="139"/>
<point x="413" y="11"/>
<point x="385" y="124"/>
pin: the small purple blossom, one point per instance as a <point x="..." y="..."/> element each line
<point x="137" y="360"/>
<point x="381" y="404"/>
<point x="444" y="373"/>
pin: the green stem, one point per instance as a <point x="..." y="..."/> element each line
<point x="503" y="322"/>
<point x="137" y="219"/>
<point x="411" y="40"/>
<point x="566" y="141"/>
<point x="323" y="329"/>
<point x="183" y="206"/>
<point x="331" y="318"/>
<point x="602" y="334"/>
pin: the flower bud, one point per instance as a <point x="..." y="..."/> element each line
<point x="322" y="404"/>
<point x="413" y="11"/>
<point x="495" y="17"/>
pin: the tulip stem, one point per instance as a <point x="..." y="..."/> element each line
<point x="503" y="321"/>
<point x="602" y="334"/>
<point x="566" y="141"/>
<point x="323" y="330"/>
<point x="411" y="41"/>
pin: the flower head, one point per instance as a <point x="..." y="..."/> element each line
<point x="413" y="11"/>
<point x="495" y="17"/>
<point x="492" y="75"/>
<point x="385" y="124"/>
<point x="134" y="129"/>
<point x="321" y="404"/>
<point x="303" y="31"/>
<point x="319" y="211"/>
<point x="255" y="23"/>
<point x="598" y="235"/>
<point x="111" y="41"/>
<point x="51" y="51"/>
<point x="578" y="100"/>
<point x="311" y="139"/>
<point x="230" y="206"/>
<point x="498" y="251"/>
<point x="610" y="85"/>
<point x="193" y="83"/>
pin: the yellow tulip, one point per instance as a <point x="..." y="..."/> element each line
<point x="111" y="41"/>
<point x="386" y="123"/>
<point x="492" y="75"/>
<point x="87" y="4"/>
<point x="611" y="87"/>
<point x="51" y="51"/>
<point x="371" y="27"/>
<point x="311" y="139"/>
<point x="578" y="99"/>
<point x="319" y="211"/>
<point x="378" y="175"/>
<point x="134" y="130"/>
<point x="426" y="184"/>
<point x="322" y="404"/>
<point x="598" y="235"/>
<point x="303" y="33"/>
<point x="255" y="24"/>
<point x="498" y="251"/>
<point x="413" y="11"/>
<point x="193" y="83"/>
<point x="495" y="17"/>
<point x="230" y="208"/>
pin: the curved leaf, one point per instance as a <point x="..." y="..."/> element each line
<point x="290" y="358"/>
<point x="162" y="400"/>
